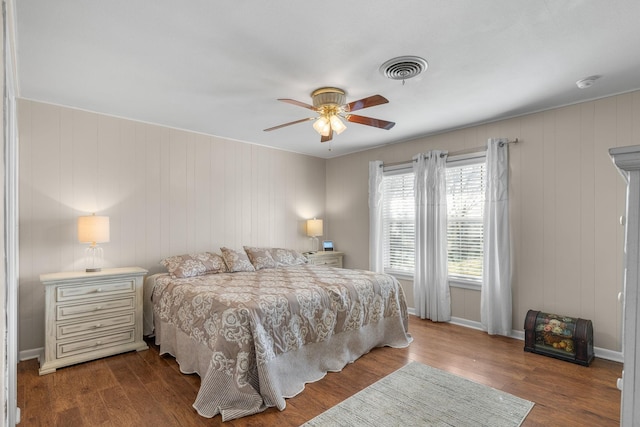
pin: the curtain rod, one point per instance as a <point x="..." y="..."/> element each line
<point x="455" y="153"/>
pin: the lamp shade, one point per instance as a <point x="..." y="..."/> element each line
<point x="322" y="126"/>
<point x="337" y="125"/>
<point x="93" y="229"/>
<point x="314" y="227"/>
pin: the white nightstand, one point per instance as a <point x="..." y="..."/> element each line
<point x="91" y="315"/>
<point x="330" y="258"/>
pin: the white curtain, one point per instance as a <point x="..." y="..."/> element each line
<point x="430" y="286"/>
<point x="376" y="254"/>
<point x="495" y="300"/>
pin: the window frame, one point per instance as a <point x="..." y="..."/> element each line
<point x="453" y="161"/>
<point x="404" y="169"/>
<point x="459" y="161"/>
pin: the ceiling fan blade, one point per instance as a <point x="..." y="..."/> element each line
<point x="298" y="103"/>
<point x="326" y="138"/>
<point x="383" y="124"/>
<point x="371" y="101"/>
<point x="290" y="123"/>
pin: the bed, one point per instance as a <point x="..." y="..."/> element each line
<point x="255" y="337"/>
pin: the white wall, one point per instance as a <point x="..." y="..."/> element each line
<point x="167" y="192"/>
<point x="566" y="201"/>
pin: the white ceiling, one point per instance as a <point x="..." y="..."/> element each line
<point x="217" y="67"/>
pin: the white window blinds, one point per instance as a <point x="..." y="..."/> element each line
<point x="398" y="213"/>
<point x="465" y="210"/>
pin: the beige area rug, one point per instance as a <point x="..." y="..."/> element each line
<point x="419" y="395"/>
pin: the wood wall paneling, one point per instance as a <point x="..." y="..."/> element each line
<point x="169" y="191"/>
<point x="586" y="211"/>
<point x="166" y="191"/>
<point x="566" y="199"/>
<point x="529" y="250"/>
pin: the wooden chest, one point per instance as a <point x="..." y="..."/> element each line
<point x="559" y="336"/>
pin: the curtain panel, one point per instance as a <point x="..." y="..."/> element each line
<point x="432" y="298"/>
<point x="376" y="245"/>
<point x="495" y="300"/>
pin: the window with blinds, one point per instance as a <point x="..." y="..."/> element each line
<point x="398" y="213"/>
<point x="465" y="211"/>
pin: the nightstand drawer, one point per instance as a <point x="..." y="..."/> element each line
<point x="84" y="327"/>
<point x="331" y="262"/>
<point x="94" y="290"/>
<point x="66" y="312"/>
<point x="328" y="258"/>
<point x="94" y="344"/>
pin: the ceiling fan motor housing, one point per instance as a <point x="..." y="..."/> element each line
<point x="328" y="96"/>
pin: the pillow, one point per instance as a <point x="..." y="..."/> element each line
<point x="284" y="257"/>
<point x="191" y="265"/>
<point x="236" y="260"/>
<point x="260" y="257"/>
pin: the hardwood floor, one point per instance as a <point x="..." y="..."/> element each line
<point x="145" y="389"/>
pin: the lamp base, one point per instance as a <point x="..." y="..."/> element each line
<point x="314" y="244"/>
<point x="93" y="259"/>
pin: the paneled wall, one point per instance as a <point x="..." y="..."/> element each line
<point x="166" y="191"/>
<point x="169" y="191"/>
<point x="566" y="200"/>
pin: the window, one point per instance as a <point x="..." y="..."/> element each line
<point x="398" y="212"/>
<point x="465" y="214"/>
<point x="465" y="209"/>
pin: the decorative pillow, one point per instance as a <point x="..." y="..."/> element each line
<point x="260" y="257"/>
<point x="191" y="265"/>
<point x="284" y="257"/>
<point x="236" y="260"/>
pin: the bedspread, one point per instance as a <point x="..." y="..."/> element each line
<point x="268" y="332"/>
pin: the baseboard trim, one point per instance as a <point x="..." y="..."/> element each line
<point x="467" y="323"/>
<point x="603" y="353"/>
<point x="34" y="353"/>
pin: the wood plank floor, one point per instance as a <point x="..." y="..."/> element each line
<point x="145" y="389"/>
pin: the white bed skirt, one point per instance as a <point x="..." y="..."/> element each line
<point x="283" y="377"/>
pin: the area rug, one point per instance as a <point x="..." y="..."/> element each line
<point x="419" y="395"/>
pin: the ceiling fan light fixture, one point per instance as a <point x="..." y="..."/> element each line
<point x="330" y="105"/>
<point x="322" y="126"/>
<point x="337" y="125"/>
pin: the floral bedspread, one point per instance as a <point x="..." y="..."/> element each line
<point x="254" y="322"/>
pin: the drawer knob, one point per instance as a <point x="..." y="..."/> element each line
<point x="99" y="325"/>
<point x="98" y="343"/>
<point x="99" y="290"/>
<point x="98" y="308"/>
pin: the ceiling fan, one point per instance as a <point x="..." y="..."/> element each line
<point x="329" y="102"/>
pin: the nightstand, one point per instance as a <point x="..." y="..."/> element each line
<point x="91" y="315"/>
<point x="330" y="258"/>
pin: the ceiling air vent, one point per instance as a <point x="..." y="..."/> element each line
<point x="403" y="67"/>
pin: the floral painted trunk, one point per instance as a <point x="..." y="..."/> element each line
<point x="558" y="336"/>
